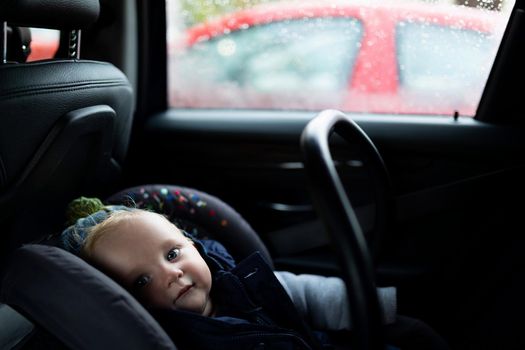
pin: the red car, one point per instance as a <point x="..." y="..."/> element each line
<point x="362" y="57"/>
<point x="44" y="44"/>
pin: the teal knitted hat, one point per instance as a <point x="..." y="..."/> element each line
<point x="84" y="213"/>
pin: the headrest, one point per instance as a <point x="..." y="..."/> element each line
<point x="53" y="14"/>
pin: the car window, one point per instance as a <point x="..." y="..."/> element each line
<point x="44" y="43"/>
<point x="404" y="57"/>
<point x="435" y="61"/>
<point x="285" y="53"/>
<point x="286" y="61"/>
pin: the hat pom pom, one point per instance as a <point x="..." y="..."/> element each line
<point x="82" y="207"/>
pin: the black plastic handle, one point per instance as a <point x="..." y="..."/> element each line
<point x="341" y="223"/>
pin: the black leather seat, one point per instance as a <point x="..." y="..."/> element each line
<point x="64" y="124"/>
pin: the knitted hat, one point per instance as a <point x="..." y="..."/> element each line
<point x="84" y="213"/>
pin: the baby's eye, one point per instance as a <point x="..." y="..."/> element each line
<point x="142" y="281"/>
<point x="173" y="254"/>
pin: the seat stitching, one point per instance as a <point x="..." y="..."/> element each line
<point x="72" y="84"/>
<point x="51" y="62"/>
<point x="33" y="92"/>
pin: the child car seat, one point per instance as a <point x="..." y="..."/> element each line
<point x="70" y="301"/>
<point x="55" y="300"/>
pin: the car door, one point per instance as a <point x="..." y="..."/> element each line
<point x="454" y="181"/>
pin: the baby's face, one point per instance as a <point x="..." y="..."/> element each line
<point x="150" y="255"/>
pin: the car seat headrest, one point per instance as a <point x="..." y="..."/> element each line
<point x="53" y="14"/>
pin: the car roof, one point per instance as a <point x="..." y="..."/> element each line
<point x="460" y="17"/>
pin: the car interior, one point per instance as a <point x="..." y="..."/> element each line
<point x="430" y="204"/>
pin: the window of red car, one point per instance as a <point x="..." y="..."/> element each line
<point x="404" y="57"/>
<point x="44" y="44"/>
<point x="283" y="64"/>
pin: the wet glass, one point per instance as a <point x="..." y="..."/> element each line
<point x="403" y="57"/>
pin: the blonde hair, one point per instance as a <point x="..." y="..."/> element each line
<point x="114" y="220"/>
<point x="95" y="232"/>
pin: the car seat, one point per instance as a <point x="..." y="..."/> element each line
<point x="66" y="301"/>
<point x="55" y="300"/>
<point x="64" y="123"/>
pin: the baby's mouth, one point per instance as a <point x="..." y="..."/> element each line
<point x="184" y="291"/>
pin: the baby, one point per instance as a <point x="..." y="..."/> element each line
<point x="169" y="270"/>
<point x="148" y="255"/>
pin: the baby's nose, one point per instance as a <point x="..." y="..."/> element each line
<point x="173" y="273"/>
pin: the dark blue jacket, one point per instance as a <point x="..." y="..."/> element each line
<point x="253" y="311"/>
